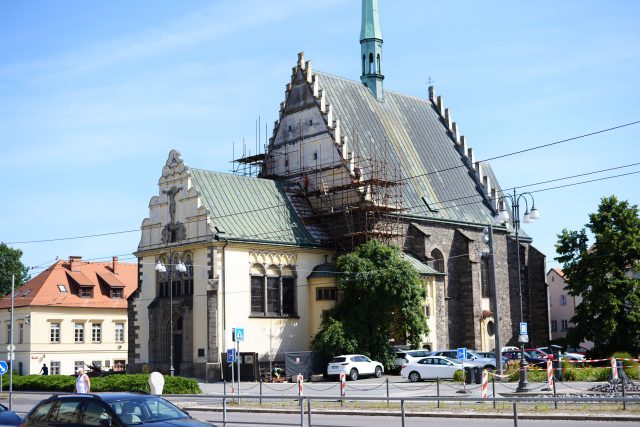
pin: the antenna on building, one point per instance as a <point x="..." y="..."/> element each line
<point x="429" y="81"/>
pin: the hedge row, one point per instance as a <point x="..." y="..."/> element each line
<point x="124" y="382"/>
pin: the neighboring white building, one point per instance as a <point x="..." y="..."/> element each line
<point x="562" y="306"/>
<point x="72" y="314"/>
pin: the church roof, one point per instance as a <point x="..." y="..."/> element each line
<point x="410" y="135"/>
<point x="250" y="209"/>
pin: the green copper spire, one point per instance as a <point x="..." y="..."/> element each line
<point x="370" y="28"/>
<point x="371" y="48"/>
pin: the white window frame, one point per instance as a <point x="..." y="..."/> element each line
<point x="118" y="329"/>
<point x="54" y="368"/>
<point x="96" y="332"/>
<point x="77" y="329"/>
<point x="55" y="329"/>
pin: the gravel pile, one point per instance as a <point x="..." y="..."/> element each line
<point x="616" y="387"/>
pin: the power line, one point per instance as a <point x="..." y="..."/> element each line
<point x="74" y="237"/>
<point x="441" y="202"/>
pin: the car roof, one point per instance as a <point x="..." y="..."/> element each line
<point x="107" y="397"/>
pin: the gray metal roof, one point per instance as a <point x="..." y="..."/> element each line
<point x="408" y="133"/>
<point x="420" y="266"/>
<point x="250" y="209"/>
<point x="323" y="270"/>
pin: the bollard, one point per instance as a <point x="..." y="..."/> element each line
<point x="260" y="391"/>
<point x="387" y="391"/>
<point x="493" y="381"/>
<point x="402" y="411"/>
<point x="343" y="388"/>
<point x="438" y="389"/>
<point x="555" y="402"/>
<point x="309" y="412"/>
<point x="224" y="409"/>
<point x="624" y="400"/>
<point x="301" y="411"/>
<point x="515" y="414"/>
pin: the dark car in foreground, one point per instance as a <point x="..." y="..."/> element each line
<point x="109" y="410"/>
<point x="9" y="418"/>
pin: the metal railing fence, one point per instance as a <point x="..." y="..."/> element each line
<point x="305" y="411"/>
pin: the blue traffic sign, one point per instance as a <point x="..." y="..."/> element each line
<point x="462" y="353"/>
<point x="523" y="328"/>
<point x="3" y="367"/>
<point x="231" y="355"/>
<point x="239" y="335"/>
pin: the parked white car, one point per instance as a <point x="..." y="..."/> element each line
<point x="406" y="356"/>
<point x="354" y="366"/>
<point x="430" y="368"/>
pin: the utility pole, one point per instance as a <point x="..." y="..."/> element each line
<point x="11" y="354"/>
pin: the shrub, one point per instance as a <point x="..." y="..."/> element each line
<point x="131" y="382"/>
<point x="458" y="375"/>
<point x="601" y="374"/>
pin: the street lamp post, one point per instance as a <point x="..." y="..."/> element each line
<point x="180" y="267"/>
<point x="502" y="217"/>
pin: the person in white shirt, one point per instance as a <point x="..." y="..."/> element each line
<point x="83" y="383"/>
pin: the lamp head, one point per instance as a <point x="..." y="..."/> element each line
<point x="527" y="218"/>
<point x="181" y="267"/>
<point x="160" y="267"/>
<point x="535" y="213"/>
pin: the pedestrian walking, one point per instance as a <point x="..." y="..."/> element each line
<point x="83" y="383"/>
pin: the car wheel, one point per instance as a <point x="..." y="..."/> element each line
<point x="414" y="377"/>
<point x="378" y="372"/>
<point x="353" y="374"/>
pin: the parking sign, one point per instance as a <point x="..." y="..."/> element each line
<point x="462" y="353"/>
<point x="3" y="367"/>
<point x="231" y="355"/>
<point x="523" y="328"/>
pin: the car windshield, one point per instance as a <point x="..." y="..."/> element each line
<point x="145" y="410"/>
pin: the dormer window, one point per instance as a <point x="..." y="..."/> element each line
<point x="62" y="288"/>
<point x="86" y="292"/>
<point x="116" y="293"/>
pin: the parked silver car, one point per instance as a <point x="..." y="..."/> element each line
<point x="473" y="359"/>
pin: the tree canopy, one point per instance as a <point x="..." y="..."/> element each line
<point x="606" y="274"/>
<point x="380" y="292"/>
<point x="10" y="263"/>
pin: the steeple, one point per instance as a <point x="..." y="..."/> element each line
<point x="371" y="48"/>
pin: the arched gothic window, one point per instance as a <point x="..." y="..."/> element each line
<point x="273" y="290"/>
<point x="371" y="64"/>
<point x="484" y="277"/>
<point x="438" y="261"/>
<point x="378" y="64"/>
<point x="364" y="63"/>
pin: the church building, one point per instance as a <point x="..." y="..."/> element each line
<point x="348" y="161"/>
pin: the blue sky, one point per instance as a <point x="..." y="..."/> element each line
<point x="93" y="95"/>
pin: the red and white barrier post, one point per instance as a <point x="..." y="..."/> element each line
<point x="343" y="385"/>
<point x="550" y="374"/>
<point x="614" y="369"/>
<point x="485" y="383"/>
<point x="300" y="384"/>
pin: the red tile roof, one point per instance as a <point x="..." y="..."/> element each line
<point x="43" y="290"/>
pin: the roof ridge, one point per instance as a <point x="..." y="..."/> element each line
<point x="426" y="100"/>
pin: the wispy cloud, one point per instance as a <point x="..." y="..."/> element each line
<point x="213" y="22"/>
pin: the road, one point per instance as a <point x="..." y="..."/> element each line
<point x="374" y="421"/>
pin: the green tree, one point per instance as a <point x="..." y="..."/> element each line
<point x="377" y="288"/>
<point x="10" y="264"/>
<point x="605" y="274"/>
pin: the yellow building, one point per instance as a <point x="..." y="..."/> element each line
<point x="72" y="314"/>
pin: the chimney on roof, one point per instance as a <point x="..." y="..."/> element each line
<point x="114" y="265"/>
<point x="74" y="262"/>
